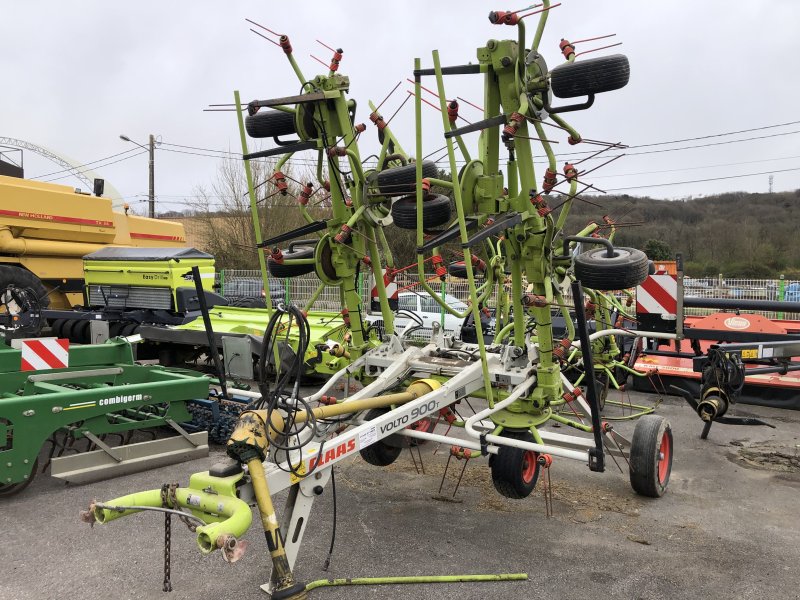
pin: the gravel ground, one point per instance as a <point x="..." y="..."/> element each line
<point x="727" y="528"/>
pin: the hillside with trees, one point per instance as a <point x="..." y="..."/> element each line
<point x="738" y="234"/>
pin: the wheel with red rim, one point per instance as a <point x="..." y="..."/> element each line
<point x="651" y="456"/>
<point x="515" y="471"/>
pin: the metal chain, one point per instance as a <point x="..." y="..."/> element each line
<point x="167" y="490"/>
<point x="173" y="498"/>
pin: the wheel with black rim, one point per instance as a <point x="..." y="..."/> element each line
<point x="593" y="76"/>
<point x="399" y="181"/>
<point x="270" y="123"/>
<point x="435" y="211"/>
<point x="380" y="454"/>
<point x="651" y="456"/>
<point x="288" y="270"/>
<point x="515" y="471"/>
<point x="626" y="268"/>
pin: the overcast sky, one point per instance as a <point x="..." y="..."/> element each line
<point x="76" y="75"/>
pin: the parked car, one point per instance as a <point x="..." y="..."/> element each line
<point x="422" y="310"/>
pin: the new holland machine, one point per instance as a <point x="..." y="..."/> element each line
<point x="499" y="213"/>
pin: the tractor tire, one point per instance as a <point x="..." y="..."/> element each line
<point x="592" y="76"/>
<point x="270" y="123"/>
<point x="80" y="332"/>
<point x="651" y="456"/>
<point x="284" y="270"/>
<point x="515" y="471"/>
<point x="435" y="211"/>
<point x="56" y="327"/>
<point x="67" y="328"/>
<point x="18" y="277"/>
<point x="399" y="181"/>
<point x="626" y="269"/>
<point x="379" y="454"/>
<point x="248" y="302"/>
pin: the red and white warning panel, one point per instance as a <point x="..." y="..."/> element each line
<point x="44" y="353"/>
<point x="658" y="295"/>
<point x="392" y="292"/>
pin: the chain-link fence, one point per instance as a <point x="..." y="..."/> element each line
<point x="241" y="284"/>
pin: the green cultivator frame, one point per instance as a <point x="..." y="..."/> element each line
<point x="103" y="393"/>
<point x="504" y="222"/>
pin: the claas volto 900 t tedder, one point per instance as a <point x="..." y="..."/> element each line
<point x="499" y="214"/>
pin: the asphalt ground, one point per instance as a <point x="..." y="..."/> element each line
<point x="728" y="527"/>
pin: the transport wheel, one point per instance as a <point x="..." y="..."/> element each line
<point x="270" y="123"/>
<point x="10" y="489"/>
<point x="592" y="76"/>
<point x="651" y="456"/>
<point x="515" y="471"/>
<point x="626" y="269"/>
<point x="379" y="454"/>
<point x="115" y="328"/>
<point x="57" y="326"/>
<point x="19" y="277"/>
<point x="399" y="181"/>
<point x="284" y="270"/>
<point x="435" y="211"/>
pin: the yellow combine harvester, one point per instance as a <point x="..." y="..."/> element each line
<point x="46" y="229"/>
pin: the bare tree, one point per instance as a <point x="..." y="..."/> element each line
<point x="222" y="214"/>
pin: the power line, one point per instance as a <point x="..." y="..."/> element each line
<point x="238" y="154"/>
<point x="71" y="174"/>
<point x="655" y="185"/>
<point x="76" y="167"/>
<point x="705" y="137"/>
<point x="198" y="154"/>
<point x="732" y="164"/>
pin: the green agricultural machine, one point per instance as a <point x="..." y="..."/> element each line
<point x="502" y="219"/>
<point x="83" y="414"/>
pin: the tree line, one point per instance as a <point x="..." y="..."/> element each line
<point x="739" y="234"/>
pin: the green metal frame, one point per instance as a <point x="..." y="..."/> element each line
<point x="103" y="391"/>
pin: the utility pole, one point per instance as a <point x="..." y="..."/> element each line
<point x="151" y="149"/>
<point x="152" y="196"/>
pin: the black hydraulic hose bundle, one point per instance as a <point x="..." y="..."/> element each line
<point x="277" y="397"/>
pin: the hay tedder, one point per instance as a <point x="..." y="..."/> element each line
<point x="502" y="220"/>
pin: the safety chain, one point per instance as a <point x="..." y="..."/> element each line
<point x="167" y="490"/>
